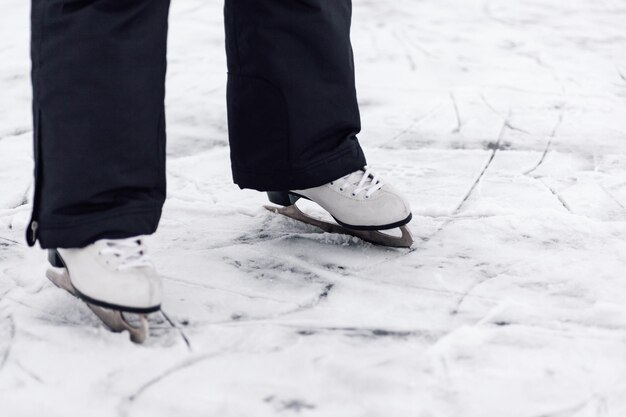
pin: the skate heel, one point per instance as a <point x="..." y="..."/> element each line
<point x="282" y="198"/>
<point x="55" y="259"/>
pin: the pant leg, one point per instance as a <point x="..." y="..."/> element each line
<point x="98" y="83"/>
<point x="292" y="107"/>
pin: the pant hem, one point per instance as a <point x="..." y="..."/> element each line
<point x="113" y="225"/>
<point x="314" y="175"/>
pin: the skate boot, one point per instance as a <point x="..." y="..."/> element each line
<point x="361" y="204"/>
<point x="114" y="278"/>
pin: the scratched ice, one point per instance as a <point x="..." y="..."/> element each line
<point x="504" y="122"/>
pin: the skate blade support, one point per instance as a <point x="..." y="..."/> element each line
<point x="112" y="319"/>
<point x="372" y="236"/>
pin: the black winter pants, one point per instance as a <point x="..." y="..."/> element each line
<point x="98" y="79"/>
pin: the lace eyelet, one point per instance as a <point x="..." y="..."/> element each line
<point x="340" y="189"/>
<point x="353" y="195"/>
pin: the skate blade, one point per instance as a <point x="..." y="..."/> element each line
<point x="372" y="236"/>
<point x="138" y="327"/>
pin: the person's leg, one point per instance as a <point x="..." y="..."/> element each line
<point x="293" y="112"/>
<point x="98" y="80"/>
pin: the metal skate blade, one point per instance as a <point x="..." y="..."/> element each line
<point x="405" y="240"/>
<point x="115" y="320"/>
<point x="61" y="278"/>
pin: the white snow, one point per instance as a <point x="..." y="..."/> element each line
<point x="512" y="302"/>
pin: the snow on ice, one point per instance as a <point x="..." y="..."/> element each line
<point x="504" y="122"/>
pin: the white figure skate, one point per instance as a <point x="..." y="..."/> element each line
<point x="361" y="204"/>
<point x="114" y="278"/>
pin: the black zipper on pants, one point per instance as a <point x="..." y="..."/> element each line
<point x="33" y="225"/>
<point x="38" y="19"/>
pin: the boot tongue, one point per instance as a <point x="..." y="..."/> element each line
<point x="125" y="253"/>
<point x="354" y="178"/>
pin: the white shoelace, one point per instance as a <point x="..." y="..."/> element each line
<point x="364" y="180"/>
<point x="126" y="253"/>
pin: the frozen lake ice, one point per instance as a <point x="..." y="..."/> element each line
<point x="504" y="123"/>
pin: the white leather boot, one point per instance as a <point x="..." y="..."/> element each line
<point x="114" y="274"/>
<point x="362" y="204"/>
<point x="361" y="201"/>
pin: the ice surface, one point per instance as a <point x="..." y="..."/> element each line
<point x="505" y="124"/>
